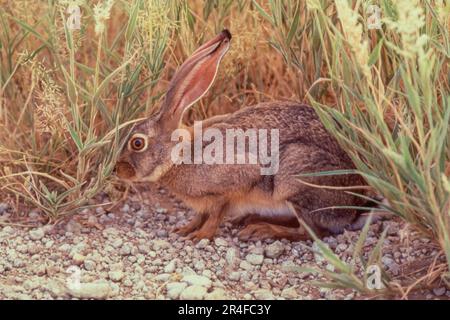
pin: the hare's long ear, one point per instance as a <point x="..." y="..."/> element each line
<point x="194" y="78"/>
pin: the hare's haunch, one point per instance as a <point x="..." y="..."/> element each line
<point x="269" y="206"/>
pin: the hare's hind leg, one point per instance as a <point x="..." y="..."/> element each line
<point x="261" y="227"/>
<point x="264" y="230"/>
<point x="253" y="218"/>
<point x="315" y="208"/>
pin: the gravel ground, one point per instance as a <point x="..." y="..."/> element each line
<point x="130" y="253"/>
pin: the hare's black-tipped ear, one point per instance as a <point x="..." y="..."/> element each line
<point x="194" y="78"/>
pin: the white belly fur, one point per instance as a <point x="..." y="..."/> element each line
<point x="258" y="203"/>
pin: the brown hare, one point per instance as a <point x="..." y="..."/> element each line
<point x="268" y="205"/>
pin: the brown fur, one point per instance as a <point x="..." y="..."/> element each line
<point x="239" y="191"/>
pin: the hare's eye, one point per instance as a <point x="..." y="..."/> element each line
<point x="138" y="143"/>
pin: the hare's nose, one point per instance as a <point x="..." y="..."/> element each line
<point x="124" y="170"/>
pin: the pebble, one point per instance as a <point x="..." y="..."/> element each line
<point x="95" y="290"/>
<point x="330" y="267"/>
<point x="341" y="247"/>
<point x="117" y="243"/>
<point x="161" y="210"/>
<point x="116" y="276"/>
<point x="125" y="250"/>
<point x="245" y="265"/>
<point x="274" y="250"/>
<point x="18" y="263"/>
<point x="217" y="294"/>
<point x="3" y="207"/>
<point x="89" y="265"/>
<point x="194" y="292"/>
<point x="199" y="265"/>
<point x="163" y="277"/>
<point x="390" y="264"/>
<point x="160" y="245"/>
<point x="8" y="230"/>
<point x="289" y="266"/>
<point x="65" y="247"/>
<point x="197" y="280"/>
<point x="170" y="267"/>
<point x="232" y="257"/>
<point x="234" y="276"/>
<point x="254" y="259"/>
<point x="221" y="242"/>
<point x="162" y="234"/>
<point x="174" y="289"/>
<point x="202" y="244"/>
<point x="49" y="244"/>
<point x="37" y="234"/>
<point x="78" y="258"/>
<point x="73" y="227"/>
<point x="289" y="293"/>
<point x="263" y="294"/>
<point x="56" y="289"/>
<point x="439" y="291"/>
<point x="31" y="284"/>
<point x="317" y="253"/>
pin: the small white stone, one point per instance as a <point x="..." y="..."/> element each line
<point x="116" y="276"/>
<point x="96" y="290"/>
<point x="263" y="294"/>
<point x="170" y="267"/>
<point x="232" y="257"/>
<point x="37" y="234"/>
<point x="197" y="280"/>
<point x="174" y="289"/>
<point x="220" y="242"/>
<point x="78" y="258"/>
<point x="194" y="292"/>
<point x="274" y="250"/>
<point x="289" y="293"/>
<point x="254" y="259"/>
<point x="217" y="294"/>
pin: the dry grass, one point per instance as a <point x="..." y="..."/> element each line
<point x="64" y="93"/>
<point x="390" y="105"/>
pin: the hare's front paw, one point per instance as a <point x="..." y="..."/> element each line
<point x="193" y="225"/>
<point x="203" y="233"/>
<point x="186" y="229"/>
<point x="197" y="229"/>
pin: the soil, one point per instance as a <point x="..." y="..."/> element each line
<point x="130" y="252"/>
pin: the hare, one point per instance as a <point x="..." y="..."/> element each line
<point x="270" y="206"/>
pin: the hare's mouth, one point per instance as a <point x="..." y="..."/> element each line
<point x="125" y="171"/>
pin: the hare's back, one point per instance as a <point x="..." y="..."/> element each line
<point x="297" y="123"/>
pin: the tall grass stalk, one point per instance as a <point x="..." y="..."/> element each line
<point x="391" y="96"/>
<point x="96" y="93"/>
